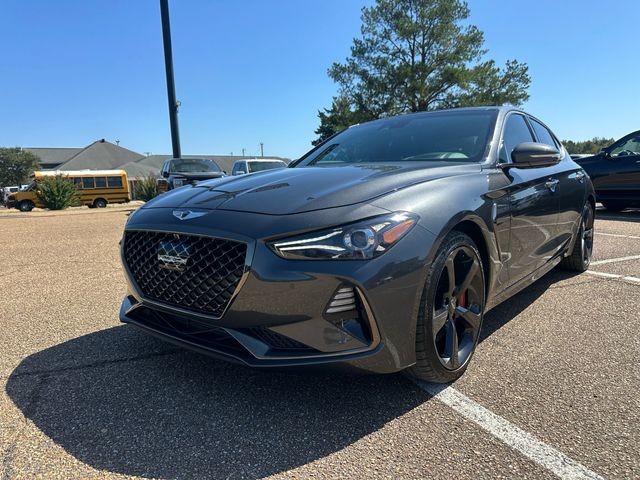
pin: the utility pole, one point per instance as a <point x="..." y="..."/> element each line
<point x="171" y="88"/>
<point x="261" y="149"/>
<point x="243" y="152"/>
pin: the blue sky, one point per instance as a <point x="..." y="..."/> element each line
<point x="251" y="71"/>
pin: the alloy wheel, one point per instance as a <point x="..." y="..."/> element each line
<point x="458" y="308"/>
<point x="587" y="236"/>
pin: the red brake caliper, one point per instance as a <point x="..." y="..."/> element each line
<point x="462" y="301"/>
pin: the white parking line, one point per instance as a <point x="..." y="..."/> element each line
<point x="617" y="235"/>
<point x="516" y="438"/>
<point x="614" y="276"/>
<point x="614" y="260"/>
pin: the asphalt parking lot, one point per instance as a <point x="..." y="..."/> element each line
<point x="553" y="386"/>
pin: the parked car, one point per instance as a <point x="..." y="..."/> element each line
<point x="240" y="167"/>
<point x="6" y="191"/>
<point x="187" y="171"/>
<point x="383" y="247"/>
<point x="615" y="173"/>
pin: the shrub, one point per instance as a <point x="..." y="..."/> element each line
<point x="58" y="192"/>
<point x="147" y="188"/>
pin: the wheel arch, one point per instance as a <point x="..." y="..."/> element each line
<point x="471" y="224"/>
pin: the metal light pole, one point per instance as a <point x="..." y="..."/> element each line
<point x="171" y="88"/>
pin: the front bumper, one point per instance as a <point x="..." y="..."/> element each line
<point x="278" y="313"/>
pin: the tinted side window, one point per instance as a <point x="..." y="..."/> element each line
<point x="77" y="182"/>
<point x="544" y="136"/>
<point x="115" y="182"/>
<point x="87" y="182"/>
<point x="101" y="182"/>
<point x="516" y="131"/>
<point x="629" y="147"/>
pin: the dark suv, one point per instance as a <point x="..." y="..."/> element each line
<point x="185" y="171"/>
<point x="615" y="173"/>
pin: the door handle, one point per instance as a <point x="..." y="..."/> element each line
<point x="552" y="184"/>
<point x="580" y="176"/>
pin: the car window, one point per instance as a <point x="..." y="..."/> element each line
<point x="544" y="136"/>
<point x="629" y="147"/>
<point x="427" y="137"/>
<point x="115" y="182"/>
<point x="193" y="165"/>
<point x="259" y="166"/>
<point x="516" y="131"/>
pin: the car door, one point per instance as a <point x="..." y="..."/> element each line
<point x="622" y="165"/>
<point x="571" y="187"/>
<point x="533" y="202"/>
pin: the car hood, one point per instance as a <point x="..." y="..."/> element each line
<point x="296" y="190"/>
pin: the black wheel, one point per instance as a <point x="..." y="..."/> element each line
<point x="580" y="257"/>
<point x="451" y="312"/>
<point x="100" y="203"/>
<point x="614" y="206"/>
<point x="26" y="206"/>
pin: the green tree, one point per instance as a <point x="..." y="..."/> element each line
<point x="16" y="165"/>
<point x="57" y="192"/>
<point x="587" y="146"/>
<point x="337" y="118"/>
<point x="418" y="55"/>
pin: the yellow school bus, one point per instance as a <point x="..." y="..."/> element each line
<point x="96" y="188"/>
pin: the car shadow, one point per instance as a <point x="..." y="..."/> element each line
<point x="122" y="401"/>
<point x="627" y="215"/>
<point x="157" y="411"/>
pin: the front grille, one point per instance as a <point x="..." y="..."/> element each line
<point x="192" y="272"/>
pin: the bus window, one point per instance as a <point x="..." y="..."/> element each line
<point x="101" y="182"/>
<point x="77" y="181"/>
<point x="87" y="182"/>
<point x="115" y="182"/>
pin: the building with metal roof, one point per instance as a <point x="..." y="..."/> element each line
<point x="104" y="155"/>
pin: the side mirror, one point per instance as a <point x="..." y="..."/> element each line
<point x="534" y="155"/>
<point x="165" y="174"/>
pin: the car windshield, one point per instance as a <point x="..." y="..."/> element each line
<point x="193" y="165"/>
<point x="454" y="136"/>
<point x="259" y="166"/>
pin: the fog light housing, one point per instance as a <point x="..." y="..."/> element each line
<point x="346" y="312"/>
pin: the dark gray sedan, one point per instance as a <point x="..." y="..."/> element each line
<point x="383" y="247"/>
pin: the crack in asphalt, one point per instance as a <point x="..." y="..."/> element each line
<point x="97" y="364"/>
<point x="19" y="426"/>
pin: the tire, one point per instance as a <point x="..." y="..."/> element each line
<point x="26" y="206"/>
<point x="99" y="203"/>
<point x="447" y="331"/>
<point x="614" y="206"/>
<point x="580" y="257"/>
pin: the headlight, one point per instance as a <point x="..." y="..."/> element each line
<point x="361" y="240"/>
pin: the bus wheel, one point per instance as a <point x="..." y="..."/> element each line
<point x="26" y="206"/>
<point x="100" y="203"/>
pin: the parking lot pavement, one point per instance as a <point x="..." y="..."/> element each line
<point x="86" y="397"/>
